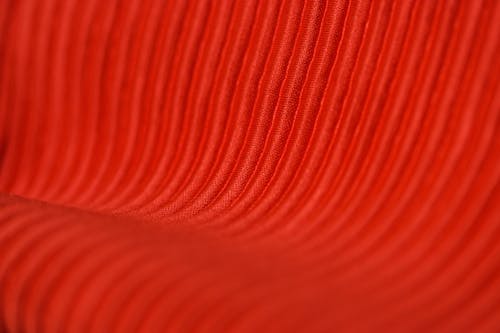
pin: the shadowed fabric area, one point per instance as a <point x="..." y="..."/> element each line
<point x="249" y="166"/>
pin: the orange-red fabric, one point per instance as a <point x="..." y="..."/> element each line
<point x="249" y="166"/>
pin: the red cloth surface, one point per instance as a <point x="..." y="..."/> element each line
<point x="249" y="166"/>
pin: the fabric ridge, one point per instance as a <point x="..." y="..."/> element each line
<point x="249" y="166"/>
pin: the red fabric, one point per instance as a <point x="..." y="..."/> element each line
<point x="249" y="166"/>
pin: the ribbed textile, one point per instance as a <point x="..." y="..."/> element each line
<point x="249" y="166"/>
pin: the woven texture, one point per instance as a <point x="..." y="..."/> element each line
<point x="249" y="166"/>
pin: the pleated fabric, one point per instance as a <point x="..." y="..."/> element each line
<point x="249" y="166"/>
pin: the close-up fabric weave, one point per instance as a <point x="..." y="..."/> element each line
<point x="249" y="166"/>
